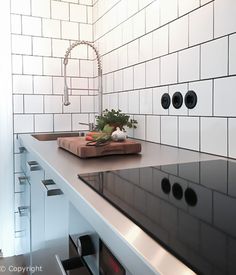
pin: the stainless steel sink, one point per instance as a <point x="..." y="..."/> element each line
<point x="54" y="136"/>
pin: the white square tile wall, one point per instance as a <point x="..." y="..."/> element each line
<point x="148" y="48"/>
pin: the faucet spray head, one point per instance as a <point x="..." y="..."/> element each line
<point x="66" y="96"/>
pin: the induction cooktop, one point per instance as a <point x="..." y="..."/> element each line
<point x="190" y="208"/>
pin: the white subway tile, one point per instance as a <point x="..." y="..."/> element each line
<point x="121" y="10"/>
<point x="210" y="65"/>
<point x="128" y="78"/>
<point x="41" y="46"/>
<point x="89" y="15"/>
<point x="169" y="130"/>
<point x="118" y="81"/>
<point x="133" y="102"/>
<point x="140" y="131"/>
<point x="52" y="66"/>
<point x="153" y="16"/>
<point x="86" y="68"/>
<point x="122" y="57"/>
<point x="113" y="101"/>
<point x="18" y="104"/>
<point x="168" y="10"/>
<point x="145" y="47"/>
<point x="22" y="84"/>
<point x="59" y="47"/>
<point x="144" y="3"/>
<point x="33" y="104"/>
<point x="127" y="29"/>
<point x="178" y="32"/>
<point x="139" y="24"/>
<point x="153" y="73"/>
<point x="53" y="104"/>
<point x="73" y="68"/>
<point x="70" y="30"/>
<point x="214" y="128"/>
<point x="78" y="13"/>
<point x="169" y="69"/>
<point x="153" y="127"/>
<point x="110" y="82"/>
<point x="17" y="64"/>
<point x="23" y="123"/>
<point x="41" y="8"/>
<point x="225" y="96"/>
<point x="80" y="83"/>
<point x="74" y="107"/>
<point x="201" y="25"/>
<point x="20" y="6"/>
<point x="87" y="104"/>
<point x="186" y="6"/>
<point x="123" y="102"/>
<point x="32" y="65"/>
<point x="224" y="17"/>
<point x="58" y="85"/>
<point x="83" y="52"/>
<point x="43" y="123"/>
<point x="133" y="52"/>
<point x="182" y="88"/>
<point x="86" y="32"/>
<point x="16" y="23"/>
<point x="76" y="119"/>
<point x="31" y="26"/>
<point x="157" y="94"/>
<point x="21" y="44"/>
<point x="42" y="84"/>
<point x="232" y="137"/>
<point x="62" y="122"/>
<point x="51" y="28"/>
<point x="205" y="2"/>
<point x="189" y="133"/>
<point x="60" y="10"/>
<point x="145" y="101"/>
<point x="232" y="54"/>
<point x="72" y="1"/>
<point x="160" y="41"/>
<point x="139" y="76"/>
<point x="189" y="67"/>
<point x="203" y="90"/>
<point x="132" y="7"/>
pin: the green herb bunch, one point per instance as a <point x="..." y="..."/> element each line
<point x="115" y="119"/>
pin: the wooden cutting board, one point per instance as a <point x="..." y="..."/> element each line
<point x="77" y="146"/>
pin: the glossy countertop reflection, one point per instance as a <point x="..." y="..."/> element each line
<point x="188" y="208"/>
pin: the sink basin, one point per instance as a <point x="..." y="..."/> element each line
<point x="54" y="136"/>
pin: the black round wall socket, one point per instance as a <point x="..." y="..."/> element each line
<point x="177" y="100"/>
<point x="190" y="196"/>
<point x="177" y="191"/>
<point x="165" y="101"/>
<point x="165" y="185"/>
<point x="190" y="99"/>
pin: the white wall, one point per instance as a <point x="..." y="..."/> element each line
<point x="6" y="135"/>
<point x="150" y="47"/>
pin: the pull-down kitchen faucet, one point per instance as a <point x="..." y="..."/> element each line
<point x="99" y="63"/>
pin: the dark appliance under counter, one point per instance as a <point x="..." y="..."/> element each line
<point x="190" y="209"/>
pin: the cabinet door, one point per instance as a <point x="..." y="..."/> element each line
<point x="22" y="220"/>
<point x="56" y="228"/>
<point x="37" y="219"/>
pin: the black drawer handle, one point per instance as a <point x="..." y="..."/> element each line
<point x="51" y="188"/>
<point x="33" y="165"/>
<point x="22" y="180"/>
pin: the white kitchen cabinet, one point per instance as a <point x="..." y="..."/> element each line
<point x="43" y="217"/>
